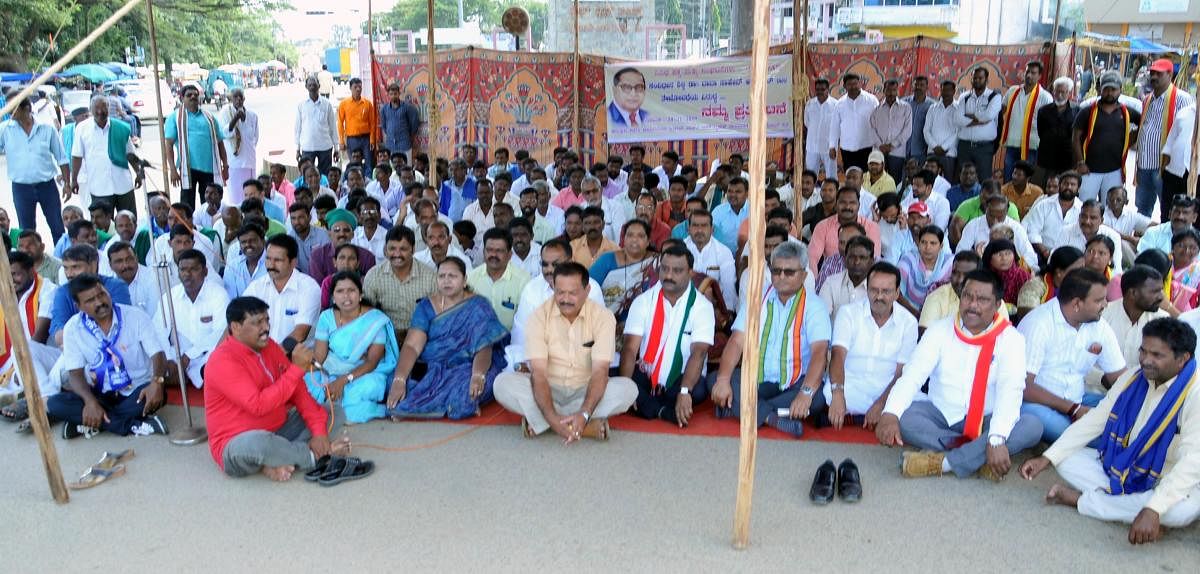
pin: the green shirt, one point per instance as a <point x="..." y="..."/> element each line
<point x="969" y="210"/>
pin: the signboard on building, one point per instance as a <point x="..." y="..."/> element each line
<point x="1162" y="6"/>
<point x="848" y="16"/>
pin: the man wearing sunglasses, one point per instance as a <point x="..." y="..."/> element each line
<point x="537" y="291"/>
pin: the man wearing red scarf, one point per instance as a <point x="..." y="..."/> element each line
<point x="975" y="365"/>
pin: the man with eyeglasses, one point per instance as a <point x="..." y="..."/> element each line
<point x="629" y="91"/>
<point x="1183" y="216"/>
<point x="537" y="291"/>
<point x="795" y="336"/>
<point x="369" y="235"/>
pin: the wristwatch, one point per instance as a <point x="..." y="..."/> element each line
<point x="587" y="417"/>
<point x="996" y="440"/>
<point x="807" y="391"/>
<point x="684" y="390"/>
<point x="350" y="377"/>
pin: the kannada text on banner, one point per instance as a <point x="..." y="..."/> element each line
<point x="708" y="99"/>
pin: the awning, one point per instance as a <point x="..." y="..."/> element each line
<point x="1124" y="44"/>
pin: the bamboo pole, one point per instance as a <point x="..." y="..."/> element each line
<point x="8" y="296"/>
<point x="1194" y="164"/>
<point x="162" y="136"/>
<point x="799" y="100"/>
<point x="1054" y="41"/>
<point x="758" y="166"/>
<point x="576" y="137"/>
<point x="434" y="114"/>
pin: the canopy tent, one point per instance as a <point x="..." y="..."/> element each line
<point x="276" y="64"/>
<point x="94" y="73"/>
<point x="1124" y="44"/>
<point x="123" y="71"/>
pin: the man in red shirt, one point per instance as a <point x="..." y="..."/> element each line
<point x="260" y="415"/>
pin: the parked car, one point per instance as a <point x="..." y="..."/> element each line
<point x="140" y="94"/>
<point x="74" y="99"/>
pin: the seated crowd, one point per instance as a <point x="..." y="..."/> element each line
<point x="574" y="294"/>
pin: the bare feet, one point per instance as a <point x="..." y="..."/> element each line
<point x="278" y="473"/>
<point x="341" y="446"/>
<point x="1063" y="494"/>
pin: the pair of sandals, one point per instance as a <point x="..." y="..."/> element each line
<point x="333" y="470"/>
<point x="110" y="466"/>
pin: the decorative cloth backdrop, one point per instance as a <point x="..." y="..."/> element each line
<point x="524" y="100"/>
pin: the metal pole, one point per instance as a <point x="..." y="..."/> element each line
<point x="758" y="166"/>
<point x="192" y="434"/>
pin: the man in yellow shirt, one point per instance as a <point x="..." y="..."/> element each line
<point x="570" y="342"/>
<point x="1135" y="457"/>
<point x="877" y="181"/>
<point x="497" y="279"/>
<point x="357" y="123"/>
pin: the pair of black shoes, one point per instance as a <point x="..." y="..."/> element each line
<point x="845" y="476"/>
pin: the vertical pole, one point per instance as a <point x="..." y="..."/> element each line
<point x="576" y="137"/>
<point x="1194" y="164"/>
<point x="162" y="136"/>
<point x="434" y="114"/>
<point x="758" y="166"/>
<point x="799" y="99"/>
<point x="1054" y="41"/>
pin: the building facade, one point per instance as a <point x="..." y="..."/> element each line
<point x="1165" y="21"/>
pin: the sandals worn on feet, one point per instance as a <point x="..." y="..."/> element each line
<point x="95" y="476"/>
<point x="343" y="469"/>
<point x="16" y="412"/>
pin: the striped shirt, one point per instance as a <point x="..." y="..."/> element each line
<point x="1151" y="136"/>
<point x="396" y="298"/>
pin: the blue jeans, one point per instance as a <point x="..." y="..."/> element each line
<point x="26" y="197"/>
<point x="1054" y="422"/>
<point x="1012" y="155"/>
<point x="363" y="144"/>
<point x="1149" y="187"/>
<point x="123" y="411"/>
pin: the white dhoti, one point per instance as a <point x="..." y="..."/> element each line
<point x="1084" y="473"/>
<point x="45" y="361"/>
<point x="515" y="392"/>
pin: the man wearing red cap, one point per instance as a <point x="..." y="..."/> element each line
<point x="1159" y="113"/>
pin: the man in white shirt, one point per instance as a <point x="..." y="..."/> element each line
<point x="617" y="211"/>
<point x="199" y="306"/>
<point x="1183" y="216"/>
<point x="294" y="298"/>
<point x="941" y="129"/>
<point x="1087" y="226"/>
<point x="143" y="284"/>
<point x="479" y="211"/>
<point x="668" y="332"/>
<point x="850" y="126"/>
<point x="438" y="246"/>
<point x="1128" y="223"/>
<point x="1047" y="220"/>
<point x="1141" y="302"/>
<point x="891" y="126"/>
<point x="539" y="290"/>
<point x="670" y="168"/>
<point x="850" y="284"/>
<point x="922" y="190"/>
<point x="818" y="112"/>
<point x="316" y="128"/>
<point x="1177" y="157"/>
<point x="526" y="252"/>
<point x="873" y="338"/>
<point x="241" y="125"/>
<point x="369" y="234"/>
<point x="97" y="173"/>
<point x="1157" y="485"/>
<point x="977" y="234"/>
<point x="712" y="258"/>
<point x="977" y="113"/>
<point x="972" y="421"/>
<point x="1064" y="339"/>
<point x="1018" y="122"/>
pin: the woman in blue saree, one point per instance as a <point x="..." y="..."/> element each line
<point x="461" y="341"/>
<point x="357" y="349"/>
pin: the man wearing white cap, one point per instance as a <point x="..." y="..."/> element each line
<point x="1160" y="111"/>
<point x="1097" y="129"/>
<point x="877" y="180"/>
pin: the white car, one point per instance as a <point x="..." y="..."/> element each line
<point x="140" y="94"/>
<point x="74" y="99"/>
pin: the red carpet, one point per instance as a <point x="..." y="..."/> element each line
<point x="704" y="423"/>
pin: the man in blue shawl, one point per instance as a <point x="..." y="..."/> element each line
<point x="1135" y="457"/>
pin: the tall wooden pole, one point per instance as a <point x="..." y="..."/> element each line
<point x="799" y="99"/>
<point x="1054" y="41"/>
<point x="8" y="296"/>
<point x="576" y="137"/>
<point x="758" y="167"/>
<point x="1194" y="164"/>
<point x="434" y="114"/>
<point x="162" y="137"/>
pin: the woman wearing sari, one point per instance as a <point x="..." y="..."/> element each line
<point x="461" y="341"/>
<point x="625" y="274"/>
<point x="1184" y="275"/>
<point x="1001" y="257"/>
<point x="356" y="347"/>
<point x="925" y="269"/>
<point x="1098" y="255"/>
<point x="1044" y="286"/>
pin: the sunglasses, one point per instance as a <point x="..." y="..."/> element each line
<point x="785" y="272"/>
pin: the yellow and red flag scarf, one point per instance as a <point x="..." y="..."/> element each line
<point x="1087" y="142"/>
<point x="30" y="305"/>
<point x="1027" y="125"/>
<point x="1168" y="112"/>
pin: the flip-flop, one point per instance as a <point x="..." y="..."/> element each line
<point x="26" y="427"/>
<point x="321" y="468"/>
<point x="95" y="476"/>
<point x="343" y="469"/>
<point x="15" y="412"/>
<point x="110" y="460"/>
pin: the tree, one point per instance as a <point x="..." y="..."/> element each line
<point x="412" y="14"/>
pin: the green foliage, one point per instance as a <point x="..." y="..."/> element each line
<point x="208" y="32"/>
<point x="412" y="14"/>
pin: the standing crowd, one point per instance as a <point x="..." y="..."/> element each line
<point x="968" y="312"/>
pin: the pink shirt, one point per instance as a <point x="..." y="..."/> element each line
<point x="287" y="190"/>
<point x="825" y="239"/>
<point x="566" y="198"/>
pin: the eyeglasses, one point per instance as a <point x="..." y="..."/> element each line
<point x="369" y="211"/>
<point x="785" y="272"/>
<point x="632" y="88"/>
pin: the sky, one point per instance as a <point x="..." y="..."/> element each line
<point x="297" y="25"/>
